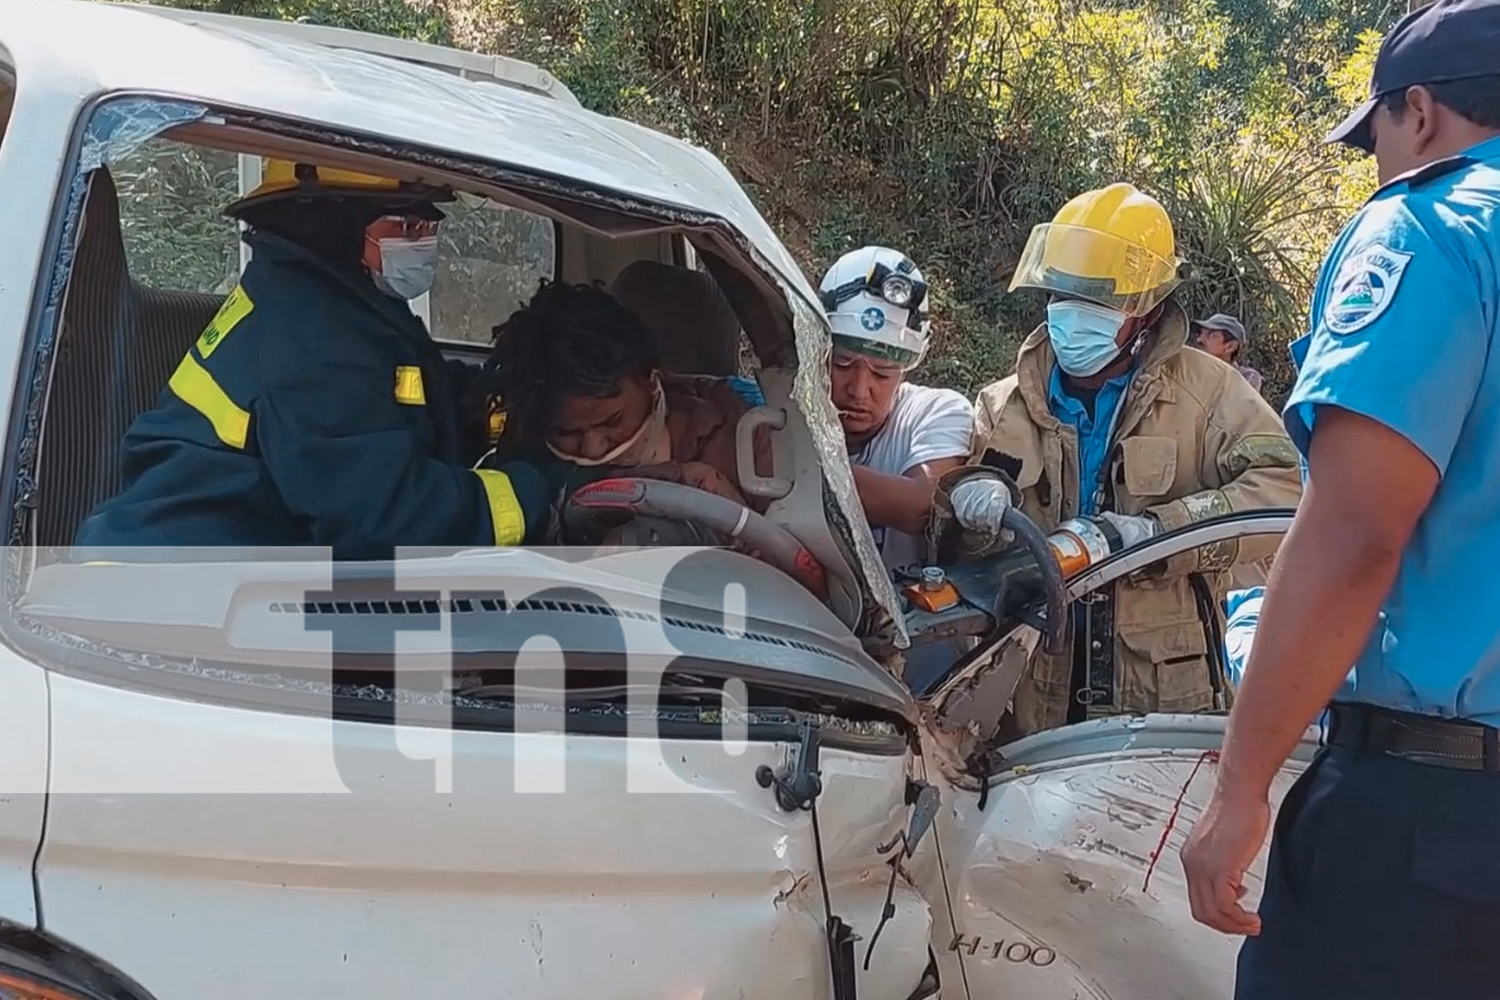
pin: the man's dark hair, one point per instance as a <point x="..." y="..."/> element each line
<point x="1476" y="99"/>
<point x="569" y="340"/>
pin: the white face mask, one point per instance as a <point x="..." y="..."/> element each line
<point x="1083" y="336"/>
<point x="651" y="444"/>
<point x="407" y="267"/>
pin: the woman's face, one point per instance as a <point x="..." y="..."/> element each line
<point x="592" y="426"/>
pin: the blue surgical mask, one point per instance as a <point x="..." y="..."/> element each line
<point x="1083" y="336"/>
<point x="407" y="267"/>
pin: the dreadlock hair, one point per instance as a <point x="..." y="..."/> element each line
<point x="569" y="340"/>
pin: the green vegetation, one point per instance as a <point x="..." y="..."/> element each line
<point x="949" y="128"/>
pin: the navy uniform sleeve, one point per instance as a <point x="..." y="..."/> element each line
<point x="342" y="456"/>
<point x="1398" y="333"/>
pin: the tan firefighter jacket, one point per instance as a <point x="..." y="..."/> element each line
<point x="1192" y="441"/>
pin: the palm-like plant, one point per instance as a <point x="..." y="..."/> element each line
<point x="1254" y="227"/>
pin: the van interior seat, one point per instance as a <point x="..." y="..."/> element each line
<point x="695" y="324"/>
<point x="117" y="346"/>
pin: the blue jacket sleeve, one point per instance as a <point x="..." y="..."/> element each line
<point x="344" y="456"/>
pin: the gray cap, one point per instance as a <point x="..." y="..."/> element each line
<point x="1225" y="322"/>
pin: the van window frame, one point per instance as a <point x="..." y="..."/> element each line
<point x="29" y="395"/>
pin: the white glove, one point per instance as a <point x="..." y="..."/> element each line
<point x="979" y="504"/>
<point x="1133" y="529"/>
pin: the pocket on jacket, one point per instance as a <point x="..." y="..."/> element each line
<point x="1150" y="466"/>
<point x="1175" y="657"/>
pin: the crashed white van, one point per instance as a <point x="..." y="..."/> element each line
<point x="539" y="773"/>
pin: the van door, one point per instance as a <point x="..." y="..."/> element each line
<point x="23" y="784"/>
<point x="27" y="179"/>
<point x="1063" y="878"/>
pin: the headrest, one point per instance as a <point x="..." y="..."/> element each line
<point x="698" y="330"/>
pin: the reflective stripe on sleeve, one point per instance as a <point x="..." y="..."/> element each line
<point x="192" y="384"/>
<point x="506" y="514"/>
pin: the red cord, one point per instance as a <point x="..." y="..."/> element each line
<point x="1208" y="755"/>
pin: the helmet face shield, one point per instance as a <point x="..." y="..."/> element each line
<point x="1102" y="268"/>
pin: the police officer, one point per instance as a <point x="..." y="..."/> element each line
<point x="1109" y="415"/>
<point x="315" y="409"/>
<point x="1384" y="873"/>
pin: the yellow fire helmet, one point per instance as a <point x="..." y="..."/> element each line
<point x="281" y="179"/>
<point x="1113" y="247"/>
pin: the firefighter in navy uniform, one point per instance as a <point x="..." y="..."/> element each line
<point x="315" y="409"/>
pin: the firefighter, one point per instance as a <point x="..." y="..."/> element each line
<point x="1108" y="415"/>
<point x="315" y="409"/>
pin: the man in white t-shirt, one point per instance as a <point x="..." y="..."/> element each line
<point x="901" y="436"/>
<point x="897" y="465"/>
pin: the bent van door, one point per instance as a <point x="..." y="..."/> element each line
<point x="1067" y="883"/>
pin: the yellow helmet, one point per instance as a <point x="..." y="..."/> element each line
<point x="285" y="178"/>
<point x="1113" y="246"/>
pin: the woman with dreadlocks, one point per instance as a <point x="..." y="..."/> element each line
<point x="581" y="376"/>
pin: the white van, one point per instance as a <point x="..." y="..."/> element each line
<point x="552" y="774"/>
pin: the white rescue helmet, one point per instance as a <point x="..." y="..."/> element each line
<point x="876" y="301"/>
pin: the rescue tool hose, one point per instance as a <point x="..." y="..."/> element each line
<point x="1027" y="532"/>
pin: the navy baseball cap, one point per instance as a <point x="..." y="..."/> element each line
<point x="1439" y="43"/>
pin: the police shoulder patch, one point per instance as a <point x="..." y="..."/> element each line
<point x="1363" y="288"/>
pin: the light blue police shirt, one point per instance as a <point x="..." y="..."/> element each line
<point x="1093" y="432"/>
<point x="1403" y="324"/>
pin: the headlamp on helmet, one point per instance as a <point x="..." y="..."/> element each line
<point x="876" y="301"/>
<point x="896" y="289"/>
<point x="902" y="286"/>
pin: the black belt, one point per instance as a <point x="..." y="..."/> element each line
<point x="1421" y="739"/>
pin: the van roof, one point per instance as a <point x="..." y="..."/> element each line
<point x="460" y="62"/>
<point x="500" y="111"/>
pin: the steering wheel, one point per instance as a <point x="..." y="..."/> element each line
<point x="610" y="502"/>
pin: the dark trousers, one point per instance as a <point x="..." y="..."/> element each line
<point x="1383" y="883"/>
